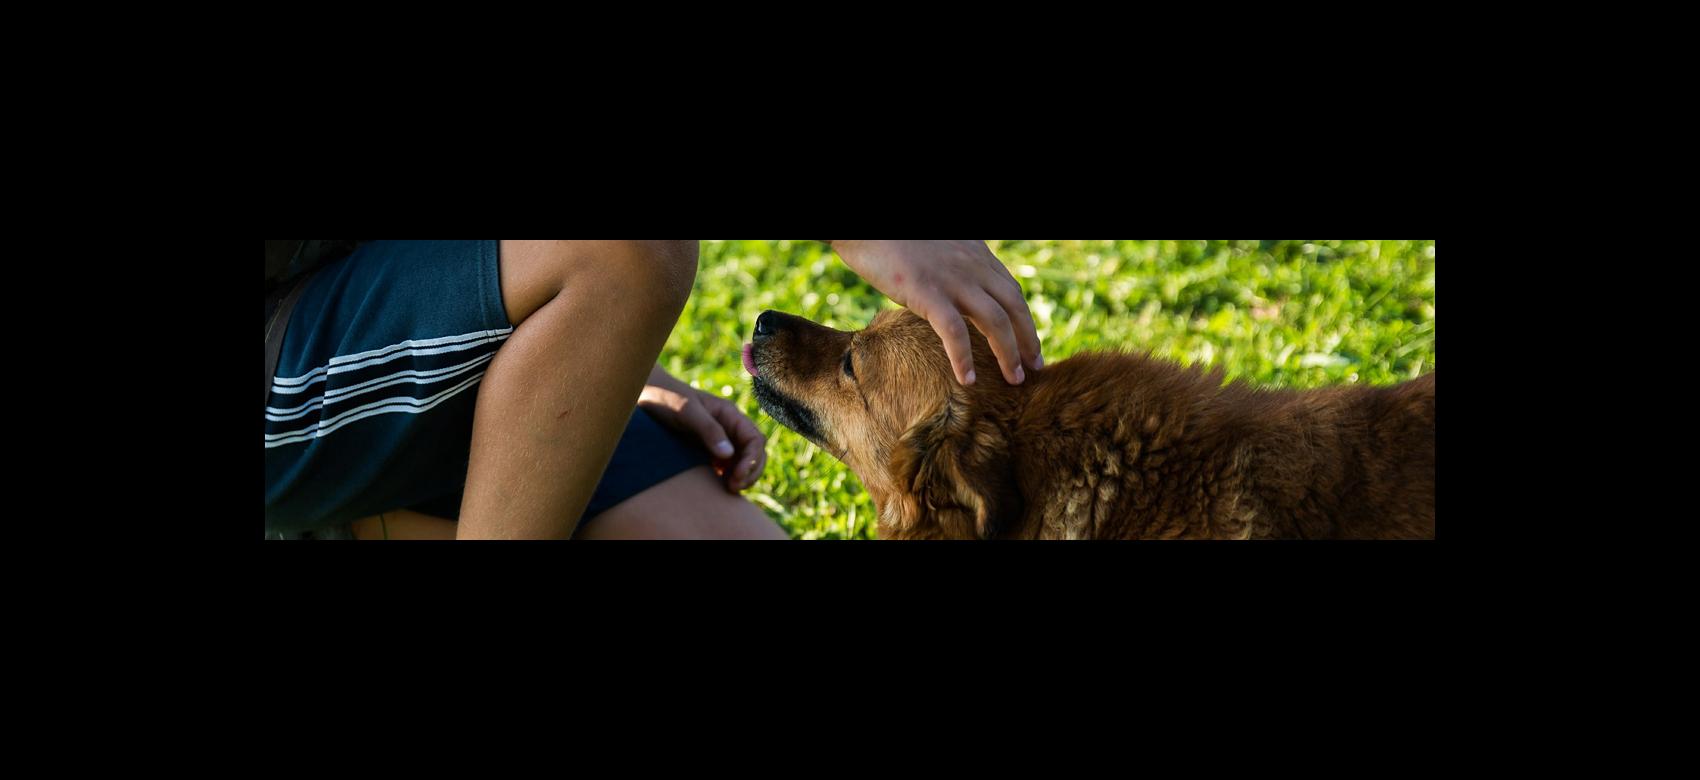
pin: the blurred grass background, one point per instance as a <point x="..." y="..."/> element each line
<point x="1294" y="314"/>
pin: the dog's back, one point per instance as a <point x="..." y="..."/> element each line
<point x="1123" y="446"/>
<point x="1350" y="463"/>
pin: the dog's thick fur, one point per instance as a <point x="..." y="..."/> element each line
<point x="1099" y="446"/>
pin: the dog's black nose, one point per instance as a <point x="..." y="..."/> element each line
<point x="764" y="324"/>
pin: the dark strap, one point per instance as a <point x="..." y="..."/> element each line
<point x="276" y="326"/>
<point x="280" y="255"/>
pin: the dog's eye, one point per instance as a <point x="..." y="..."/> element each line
<point x="849" y="370"/>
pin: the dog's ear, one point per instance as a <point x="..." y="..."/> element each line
<point x="952" y="479"/>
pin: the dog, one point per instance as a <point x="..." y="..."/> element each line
<point x="1099" y="446"/>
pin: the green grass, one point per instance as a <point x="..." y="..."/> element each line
<point x="1293" y="314"/>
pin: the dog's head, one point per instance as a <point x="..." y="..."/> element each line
<point x="933" y="454"/>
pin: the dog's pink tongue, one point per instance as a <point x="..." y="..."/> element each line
<point x="750" y="360"/>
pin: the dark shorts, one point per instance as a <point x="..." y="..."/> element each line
<point x="371" y="406"/>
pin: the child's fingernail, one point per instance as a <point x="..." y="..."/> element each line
<point x="970" y="379"/>
<point x="723" y="449"/>
<point x="1020" y="375"/>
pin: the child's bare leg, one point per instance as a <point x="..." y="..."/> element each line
<point x="590" y="319"/>
<point x="403" y="525"/>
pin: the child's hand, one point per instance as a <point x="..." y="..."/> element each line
<point x="945" y="281"/>
<point x="739" y="449"/>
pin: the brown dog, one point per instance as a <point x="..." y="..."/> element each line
<point x="1100" y="446"/>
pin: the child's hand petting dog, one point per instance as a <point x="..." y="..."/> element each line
<point x="738" y="447"/>
<point x="944" y="281"/>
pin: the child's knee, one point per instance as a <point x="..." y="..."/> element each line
<point x="653" y="272"/>
<point x="675" y="264"/>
